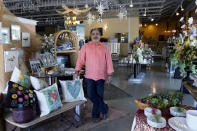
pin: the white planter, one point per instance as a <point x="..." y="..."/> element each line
<point x="152" y="123"/>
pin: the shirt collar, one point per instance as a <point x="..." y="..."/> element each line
<point x="94" y="44"/>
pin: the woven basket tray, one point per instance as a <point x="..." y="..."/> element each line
<point x="141" y="105"/>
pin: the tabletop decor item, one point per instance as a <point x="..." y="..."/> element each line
<point x="48" y="44"/>
<point x="177" y="111"/>
<point x="48" y="59"/>
<point x="178" y="124"/>
<point x="156" y="121"/>
<point x="191" y="119"/>
<point x="160" y="101"/>
<point x="138" y="52"/>
<point x="148" y="111"/>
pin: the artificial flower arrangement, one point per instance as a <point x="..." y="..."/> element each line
<point x="48" y="44"/>
<point x="138" y="51"/>
<point x="161" y="101"/>
<point x="185" y="50"/>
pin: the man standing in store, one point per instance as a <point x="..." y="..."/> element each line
<point x="96" y="57"/>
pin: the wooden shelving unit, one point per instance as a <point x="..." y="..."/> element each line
<point x="66" y="51"/>
<point x="67" y="36"/>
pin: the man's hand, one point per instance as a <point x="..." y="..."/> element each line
<point x="109" y="78"/>
<point x="77" y="75"/>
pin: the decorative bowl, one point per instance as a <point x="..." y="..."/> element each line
<point x="141" y="105"/>
<point x="174" y="112"/>
<point x="152" y="122"/>
<point x="148" y="111"/>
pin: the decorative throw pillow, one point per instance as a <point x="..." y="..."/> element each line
<point x="20" y="78"/>
<point x="48" y="99"/>
<point x="72" y="90"/>
<point x="19" y="96"/>
<point x="38" y="84"/>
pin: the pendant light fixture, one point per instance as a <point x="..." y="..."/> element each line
<point x="131" y="4"/>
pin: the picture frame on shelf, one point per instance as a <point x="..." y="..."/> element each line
<point x="16" y="32"/>
<point x="5" y="36"/>
<point x="26" y="39"/>
<point x="11" y="60"/>
<point x="47" y="59"/>
<point x="35" y="66"/>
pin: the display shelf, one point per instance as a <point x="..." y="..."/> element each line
<point x="67" y="36"/>
<point x="66" y="51"/>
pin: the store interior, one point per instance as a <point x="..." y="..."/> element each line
<point x="153" y="47"/>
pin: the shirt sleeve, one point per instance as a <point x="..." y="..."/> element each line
<point x="110" y="68"/>
<point x="81" y="59"/>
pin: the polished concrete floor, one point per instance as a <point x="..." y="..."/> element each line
<point x="155" y="80"/>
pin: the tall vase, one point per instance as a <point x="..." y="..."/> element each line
<point x="188" y="77"/>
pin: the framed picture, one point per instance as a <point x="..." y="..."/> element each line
<point x="26" y="39"/>
<point x="16" y="32"/>
<point x="11" y="60"/>
<point x="5" y="36"/>
<point x="47" y="60"/>
<point x="35" y="66"/>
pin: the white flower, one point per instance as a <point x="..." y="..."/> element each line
<point x="182" y="18"/>
<point x="190" y="21"/>
<point x="183" y="26"/>
<point x="193" y="43"/>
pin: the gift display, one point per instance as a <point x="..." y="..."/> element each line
<point x="20" y="78"/>
<point x="19" y="96"/>
<point x="72" y="90"/>
<point x="38" y="84"/>
<point x="48" y="99"/>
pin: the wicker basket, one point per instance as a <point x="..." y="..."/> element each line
<point x="141" y="105"/>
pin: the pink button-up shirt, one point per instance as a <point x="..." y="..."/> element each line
<point x="97" y="60"/>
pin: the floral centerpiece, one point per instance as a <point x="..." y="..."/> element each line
<point x="48" y="44"/>
<point x="138" y="51"/>
<point x="185" y="50"/>
<point x="161" y="101"/>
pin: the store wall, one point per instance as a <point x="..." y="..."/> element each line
<point x="164" y="28"/>
<point x="35" y="42"/>
<point x="115" y="25"/>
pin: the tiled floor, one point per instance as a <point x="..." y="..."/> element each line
<point x="155" y="81"/>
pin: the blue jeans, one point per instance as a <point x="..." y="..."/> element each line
<point x="95" y="92"/>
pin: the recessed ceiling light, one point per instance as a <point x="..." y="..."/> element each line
<point x="152" y="19"/>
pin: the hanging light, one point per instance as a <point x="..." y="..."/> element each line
<point x="131" y="4"/>
<point x="144" y="12"/>
<point x="152" y="19"/>
<point x="145" y="25"/>
<point x="177" y="13"/>
<point x="182" y="9"/>
<point x="156" y="24"/>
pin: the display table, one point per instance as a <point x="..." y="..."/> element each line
<point x="192" y="90"/>
<point x="140" y="121"/>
